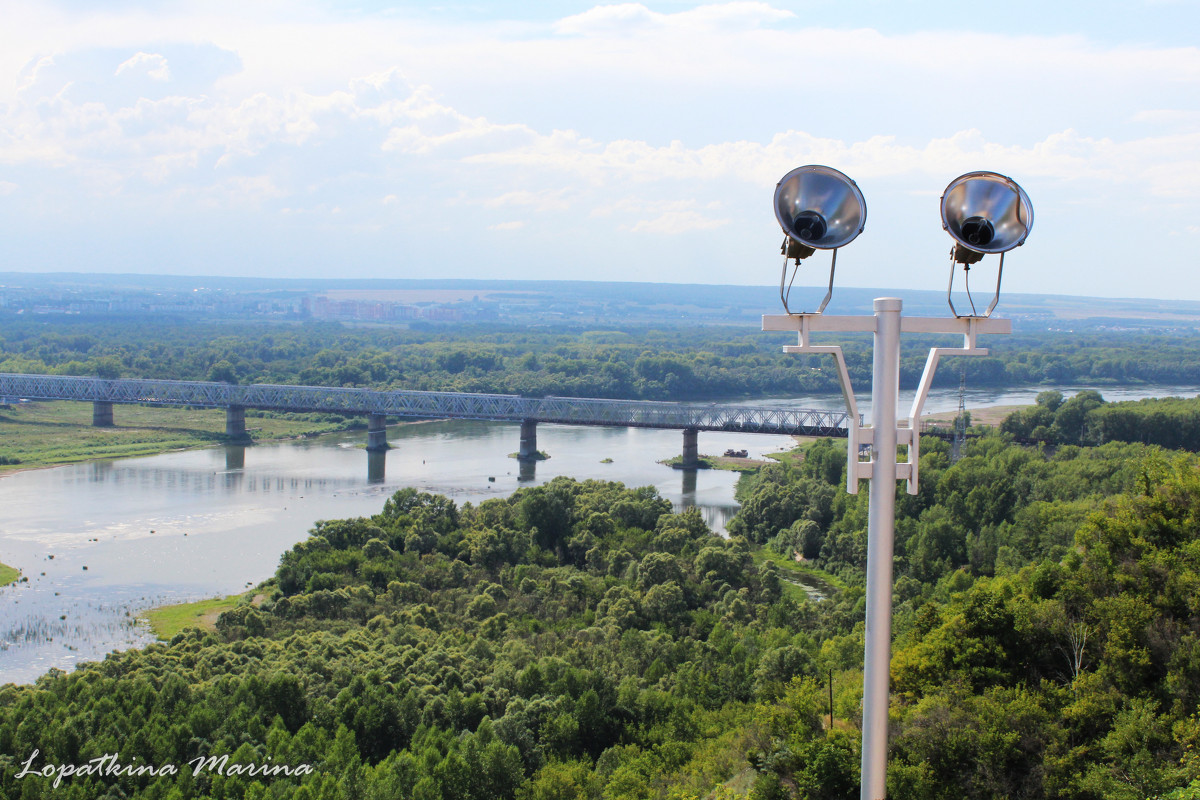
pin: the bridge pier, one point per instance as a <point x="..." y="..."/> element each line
<point x="528" y="451"/>
<point x="691" y="449"/>
<point x="376" y="433"/>
<point x="235" y="423"/>
<point x="102" y="415"/>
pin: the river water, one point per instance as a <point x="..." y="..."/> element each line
<point x="102" y="541"/>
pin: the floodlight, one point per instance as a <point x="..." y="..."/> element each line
<point x="819" y="208"/>
<point x="984" y="212"/>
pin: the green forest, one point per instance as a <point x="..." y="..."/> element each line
<point x="665" y="363"/>
<point x="1172" y="422"/>
<point x="581" y="640"/>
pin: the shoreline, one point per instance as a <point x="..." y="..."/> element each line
<point x="165" y="622"/>
<point x="988" y="416"/>
<point x="57" y="418"/>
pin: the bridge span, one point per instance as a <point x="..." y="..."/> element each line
<point x="378" y="405"/>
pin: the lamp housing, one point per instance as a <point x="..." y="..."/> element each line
<point x="819" y="208"/>
<point x="985" y="212"/>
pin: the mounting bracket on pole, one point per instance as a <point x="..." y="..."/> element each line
<point x="856" y="434"/>
<point x="907" y="431"/>
<point x="970" y="328"/>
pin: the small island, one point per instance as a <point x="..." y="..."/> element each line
<point x="9" y="574"/>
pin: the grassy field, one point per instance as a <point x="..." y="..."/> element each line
<point x="8" y="574"/>
<point x="46" y="434"/>
<point x="719" y="462"/>
<point x="166" y="621"/>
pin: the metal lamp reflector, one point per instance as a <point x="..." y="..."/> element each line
<point x="819" y="207"/>
<point x="986" y="212"/>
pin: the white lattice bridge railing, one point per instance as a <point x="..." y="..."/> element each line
<point x="438" y="405"/>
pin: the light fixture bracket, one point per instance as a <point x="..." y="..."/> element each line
<point x="954" y="262"/>
<point x="791" y="246"/>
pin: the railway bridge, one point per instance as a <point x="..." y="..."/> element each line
<point x="378" y="405"/>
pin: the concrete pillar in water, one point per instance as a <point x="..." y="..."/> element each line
<point x="691" y="449"/>
<point x="376" y="433"/>
<point x="102" y="416"/>
<point x="235" y="423"/>
<point x="528" y="451"/>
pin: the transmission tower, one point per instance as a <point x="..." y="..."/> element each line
<point x="960" y="422"/>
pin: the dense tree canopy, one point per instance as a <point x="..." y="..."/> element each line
<point x="1170" y="422"/>
<point x="574" y="635"/>
<point x="667" y="363"/>
<point x="581" y="640"/>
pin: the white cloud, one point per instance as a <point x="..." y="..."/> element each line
<point x="8" y="187"/>
<point x="677" y="222"/>
<point x="612" y="115"/>
<point x="621" y="19"/>
<point x="152" y="65"/>
<point x="29" y="76"/>
<point x="625" y="19"/>
<point x="664" y="217"/>
<point x="154" y="139"/>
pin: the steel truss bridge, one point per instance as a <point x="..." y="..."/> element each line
<point x="435" y="405"/>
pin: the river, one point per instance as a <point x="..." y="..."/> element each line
<point x="102" y="541"/>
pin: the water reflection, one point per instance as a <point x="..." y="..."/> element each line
<point x="689" y="487"/>
<point x="526" y="470"/>
<point x="376" y="466"/>
<point x="235" y="456"/>
<point x="98" y="469"/>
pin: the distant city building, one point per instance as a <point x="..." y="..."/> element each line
<point x="322" y="307"/>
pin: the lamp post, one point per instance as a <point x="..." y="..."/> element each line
<point x="983" y="212"/>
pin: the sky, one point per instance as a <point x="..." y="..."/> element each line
<point x="583" y="141"/>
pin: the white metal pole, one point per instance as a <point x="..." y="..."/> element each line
<point x="883" y="472"/>
<point x="881" y="527"/>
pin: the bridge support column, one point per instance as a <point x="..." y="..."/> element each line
<point x="376" y="433"/>
<point x="102" y="416"/>
<point x="235" y="423"/>
<point x="691" y="449"/>
<point x="528" y="451"/>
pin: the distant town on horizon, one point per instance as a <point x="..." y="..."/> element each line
<point x="408" y="301"/>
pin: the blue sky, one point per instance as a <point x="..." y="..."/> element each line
<point x="575" y="140"/>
